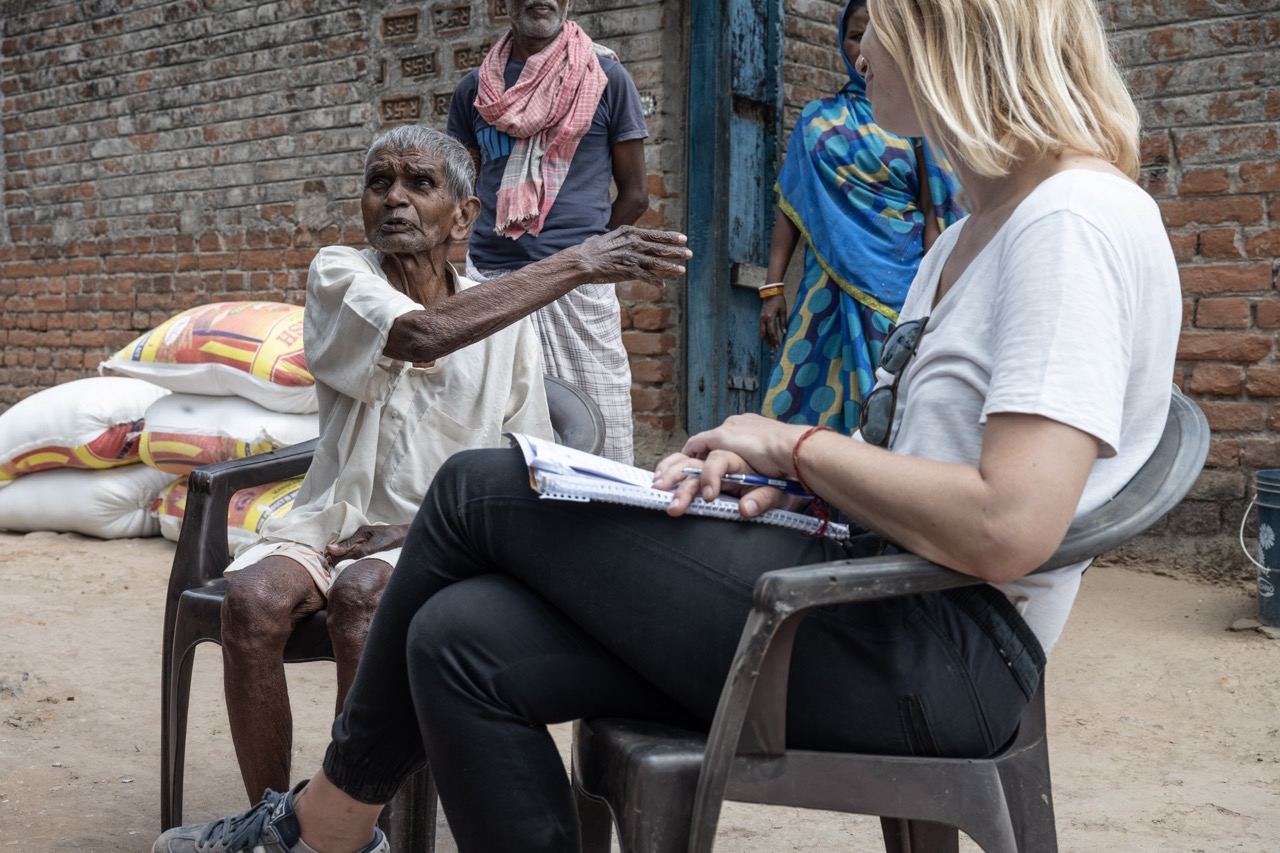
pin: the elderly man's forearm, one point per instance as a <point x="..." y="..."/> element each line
<point x="476" y="313"/>
<point x="620" y="255"/>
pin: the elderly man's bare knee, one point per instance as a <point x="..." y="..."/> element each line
<point x="263" y="603"/>
<point x="353" y="598"/>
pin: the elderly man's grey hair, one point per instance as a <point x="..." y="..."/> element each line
<point x="459" y="168"/>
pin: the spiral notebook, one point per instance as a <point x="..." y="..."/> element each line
<point x="563" y="473"/>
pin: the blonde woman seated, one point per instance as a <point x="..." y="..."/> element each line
<point x="1027" y="380"/>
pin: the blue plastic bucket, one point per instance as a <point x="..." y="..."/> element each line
<point x="1267" y="483"/>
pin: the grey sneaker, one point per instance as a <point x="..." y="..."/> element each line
<point x="271" y="826"/>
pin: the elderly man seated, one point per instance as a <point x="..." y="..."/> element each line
<point x="412" y="363"/>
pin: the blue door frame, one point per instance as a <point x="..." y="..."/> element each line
<point x="735" y="115"/>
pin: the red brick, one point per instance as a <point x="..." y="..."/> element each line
<point x="652" y="400"/>
<point x="658" y="187"/>
<point x="652" y="218"/>
<point x="640" y="291"/>
<point x="217" y="260"/>
<point x="1223" y="313"/>
<point x="1185" y="245"/>
<point x="665" y="422"/>
<point x="1263" y="381"/>
<point x="1232" y="106"/>
<point x="652" y="370"/>
<point x="1266" y="314"/>
<point x="1246" y="33"/>
<point x="261" y="260"/>
<point x="51" y="303"/>
<point x="1236" y="210"/>
<point x="301" y="258"/>
<point x="1244" y="277"/>
<point x="88" y="339"/>
<point x="1223" y="453"/>
<point x="1227" y="142"/>
<point x="651" y="318"/>
<point x="1223" y="346"/>
<point x="1219" y="244"/>
<point x="1259" y="177"/>
<point x="1259" y="452"/>
<point x="649" y="343"/>
<point x="1264" y="244"/>
<point x="1206" y="181"/>
<point x="1233" y="417"/>
<point x="1218" y="380"/>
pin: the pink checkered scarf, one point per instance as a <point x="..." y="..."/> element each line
<point x="546" y="112"/>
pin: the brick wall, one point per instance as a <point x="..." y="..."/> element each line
<point x="1206" y="74"/>
<point x="811" y="65"/>
<point x="162" y="154"/>
<point x="159" y="155"/>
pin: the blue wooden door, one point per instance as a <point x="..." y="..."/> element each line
<point x="735" y="98"/>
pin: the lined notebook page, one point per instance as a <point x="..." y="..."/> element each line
<point x="563" y="473"/>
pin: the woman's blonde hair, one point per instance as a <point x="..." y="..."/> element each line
<point x="1001" y="78"/>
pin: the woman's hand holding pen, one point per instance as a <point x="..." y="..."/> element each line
<point x="762" y="444"/>
<point x="744" y="444"/>
<point x="709" y="482"/>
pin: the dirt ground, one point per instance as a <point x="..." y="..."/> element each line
<point x="1164" y="724"/>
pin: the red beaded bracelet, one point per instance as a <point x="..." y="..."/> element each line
<point x="820" y="509"/>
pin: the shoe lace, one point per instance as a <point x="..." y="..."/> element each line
<point x="242" y="831"/>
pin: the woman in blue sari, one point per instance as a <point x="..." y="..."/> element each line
<point x="854" y="194"/>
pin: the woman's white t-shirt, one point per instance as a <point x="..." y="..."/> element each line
<point x="1072" y="312"/>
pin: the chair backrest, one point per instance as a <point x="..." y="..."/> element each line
<point x="1163" y="481"/>
<point x="575" y="417"/>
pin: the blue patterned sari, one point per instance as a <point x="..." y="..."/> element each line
<point x="851" y="189"/>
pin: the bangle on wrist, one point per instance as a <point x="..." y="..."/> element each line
<point x="775" y="289"/>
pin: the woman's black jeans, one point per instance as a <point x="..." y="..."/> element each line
<point x="507" y="613"/>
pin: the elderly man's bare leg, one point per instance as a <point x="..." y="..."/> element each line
<point x="264" y="602"/>
<point x="352" y="599"/>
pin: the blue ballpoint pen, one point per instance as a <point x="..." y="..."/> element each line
<point x="791" y="487"/>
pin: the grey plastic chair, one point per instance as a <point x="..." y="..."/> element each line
<point x="664" y="786"/>
<point x="193" y="611"/>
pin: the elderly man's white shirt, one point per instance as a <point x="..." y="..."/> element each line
<point x="386" y="426"/>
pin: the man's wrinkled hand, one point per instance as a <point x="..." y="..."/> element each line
<point x="629" y="253"/>
<point x="368" y="540"/>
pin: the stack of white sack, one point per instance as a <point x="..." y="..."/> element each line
<point x="69" y="455"/>
<point x="241" y="387"/>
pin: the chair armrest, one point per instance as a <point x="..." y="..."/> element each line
<point x="201" y="554"/>
<point x="258" y="470"/>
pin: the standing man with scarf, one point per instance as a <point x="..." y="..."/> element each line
<point x="551" y="119"/>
